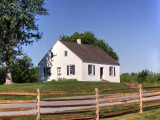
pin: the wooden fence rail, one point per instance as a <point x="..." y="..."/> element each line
<point x="17" y="116"/>
<point x="122" y="89"/>
<point x="102" y="102"/>
<point x="72" y="105"/>
<point x="65" y="93"/>
<point x="151" y="87"/>
<point x="68" y="99"/>
<point x="68" y="112"/>
<point x="16" y="109"/>
<point x="154" y="91"/>
<point x="18" y="93"/>
<point x="117" y="95"/>
<point x="17" y="102"/>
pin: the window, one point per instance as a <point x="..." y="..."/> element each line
<point x="112" y="71"/>
<point x="91" y="69"/>
<point x="65" y="53"/>
<point x="70" y="69"/>
<point x="47" y="71"/>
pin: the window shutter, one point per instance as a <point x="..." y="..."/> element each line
<point x="67" y="69"/>
<point x="89" y="69"/>
<point x="93" y="69"/>
<point x="110" y="71"/>
<point x="73" y="69"/>
<point x="114" y="71"/>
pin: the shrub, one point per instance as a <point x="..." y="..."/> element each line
<point x="66" y="80"/>
<point x="145" y="76"/>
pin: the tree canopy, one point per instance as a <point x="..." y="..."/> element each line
<point x="89" y="38"/>
<point x="17" y="28"/>
<point x="23" y="71"/>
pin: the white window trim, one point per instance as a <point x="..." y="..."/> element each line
<point x="70" y="70"/>
<point x="91" y="68"/>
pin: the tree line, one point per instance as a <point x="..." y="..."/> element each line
<point x="145" y="76"/>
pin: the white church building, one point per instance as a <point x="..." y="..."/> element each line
<point x="78" y="61"/>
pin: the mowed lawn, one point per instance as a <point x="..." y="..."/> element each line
<point x="56" y="86"/>
<point x="60" y="86"/>
<point x="153" y="114"/>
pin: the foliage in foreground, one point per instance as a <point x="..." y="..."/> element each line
<point x="143" y="77"/>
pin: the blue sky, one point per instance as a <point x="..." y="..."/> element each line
<point x="131" y="27"/>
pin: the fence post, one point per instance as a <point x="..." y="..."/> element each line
<point x="38" y="104"/>
<point x="140" y="99"/>
<point x="97" y="103"/>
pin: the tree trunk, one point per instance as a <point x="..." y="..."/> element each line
<point x="8" y="76"/>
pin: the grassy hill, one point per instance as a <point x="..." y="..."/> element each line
<point x="56" y="86"/>
<point x="69" y="86"/>
<point x="60" y="86"/>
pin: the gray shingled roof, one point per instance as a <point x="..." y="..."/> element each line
<point x="89" y="53"/>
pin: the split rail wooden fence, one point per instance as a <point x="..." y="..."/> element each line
<point x="93" y="109"/>
<point x="17" y="102"/>
<point x="101" y="102"/>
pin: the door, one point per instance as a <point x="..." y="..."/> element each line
<point x="101" y="73"/>
<point x="59" y="72"/>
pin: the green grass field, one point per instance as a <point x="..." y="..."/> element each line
<point x="56" y="86"/>
<point x="60" y="86"/>
<point x="152" y="114"/>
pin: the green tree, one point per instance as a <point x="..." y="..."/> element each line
<point x="23" y="70"/>
<point x="142" y="76"/>
<point x="89" y="38"/>
<point x="125" y="77"/>
<point x="17" y="28"/>
<point x="145" y="76"/>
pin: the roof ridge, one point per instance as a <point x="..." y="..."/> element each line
<point x="79" y="44"/>
<point x="90" y="53"/>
